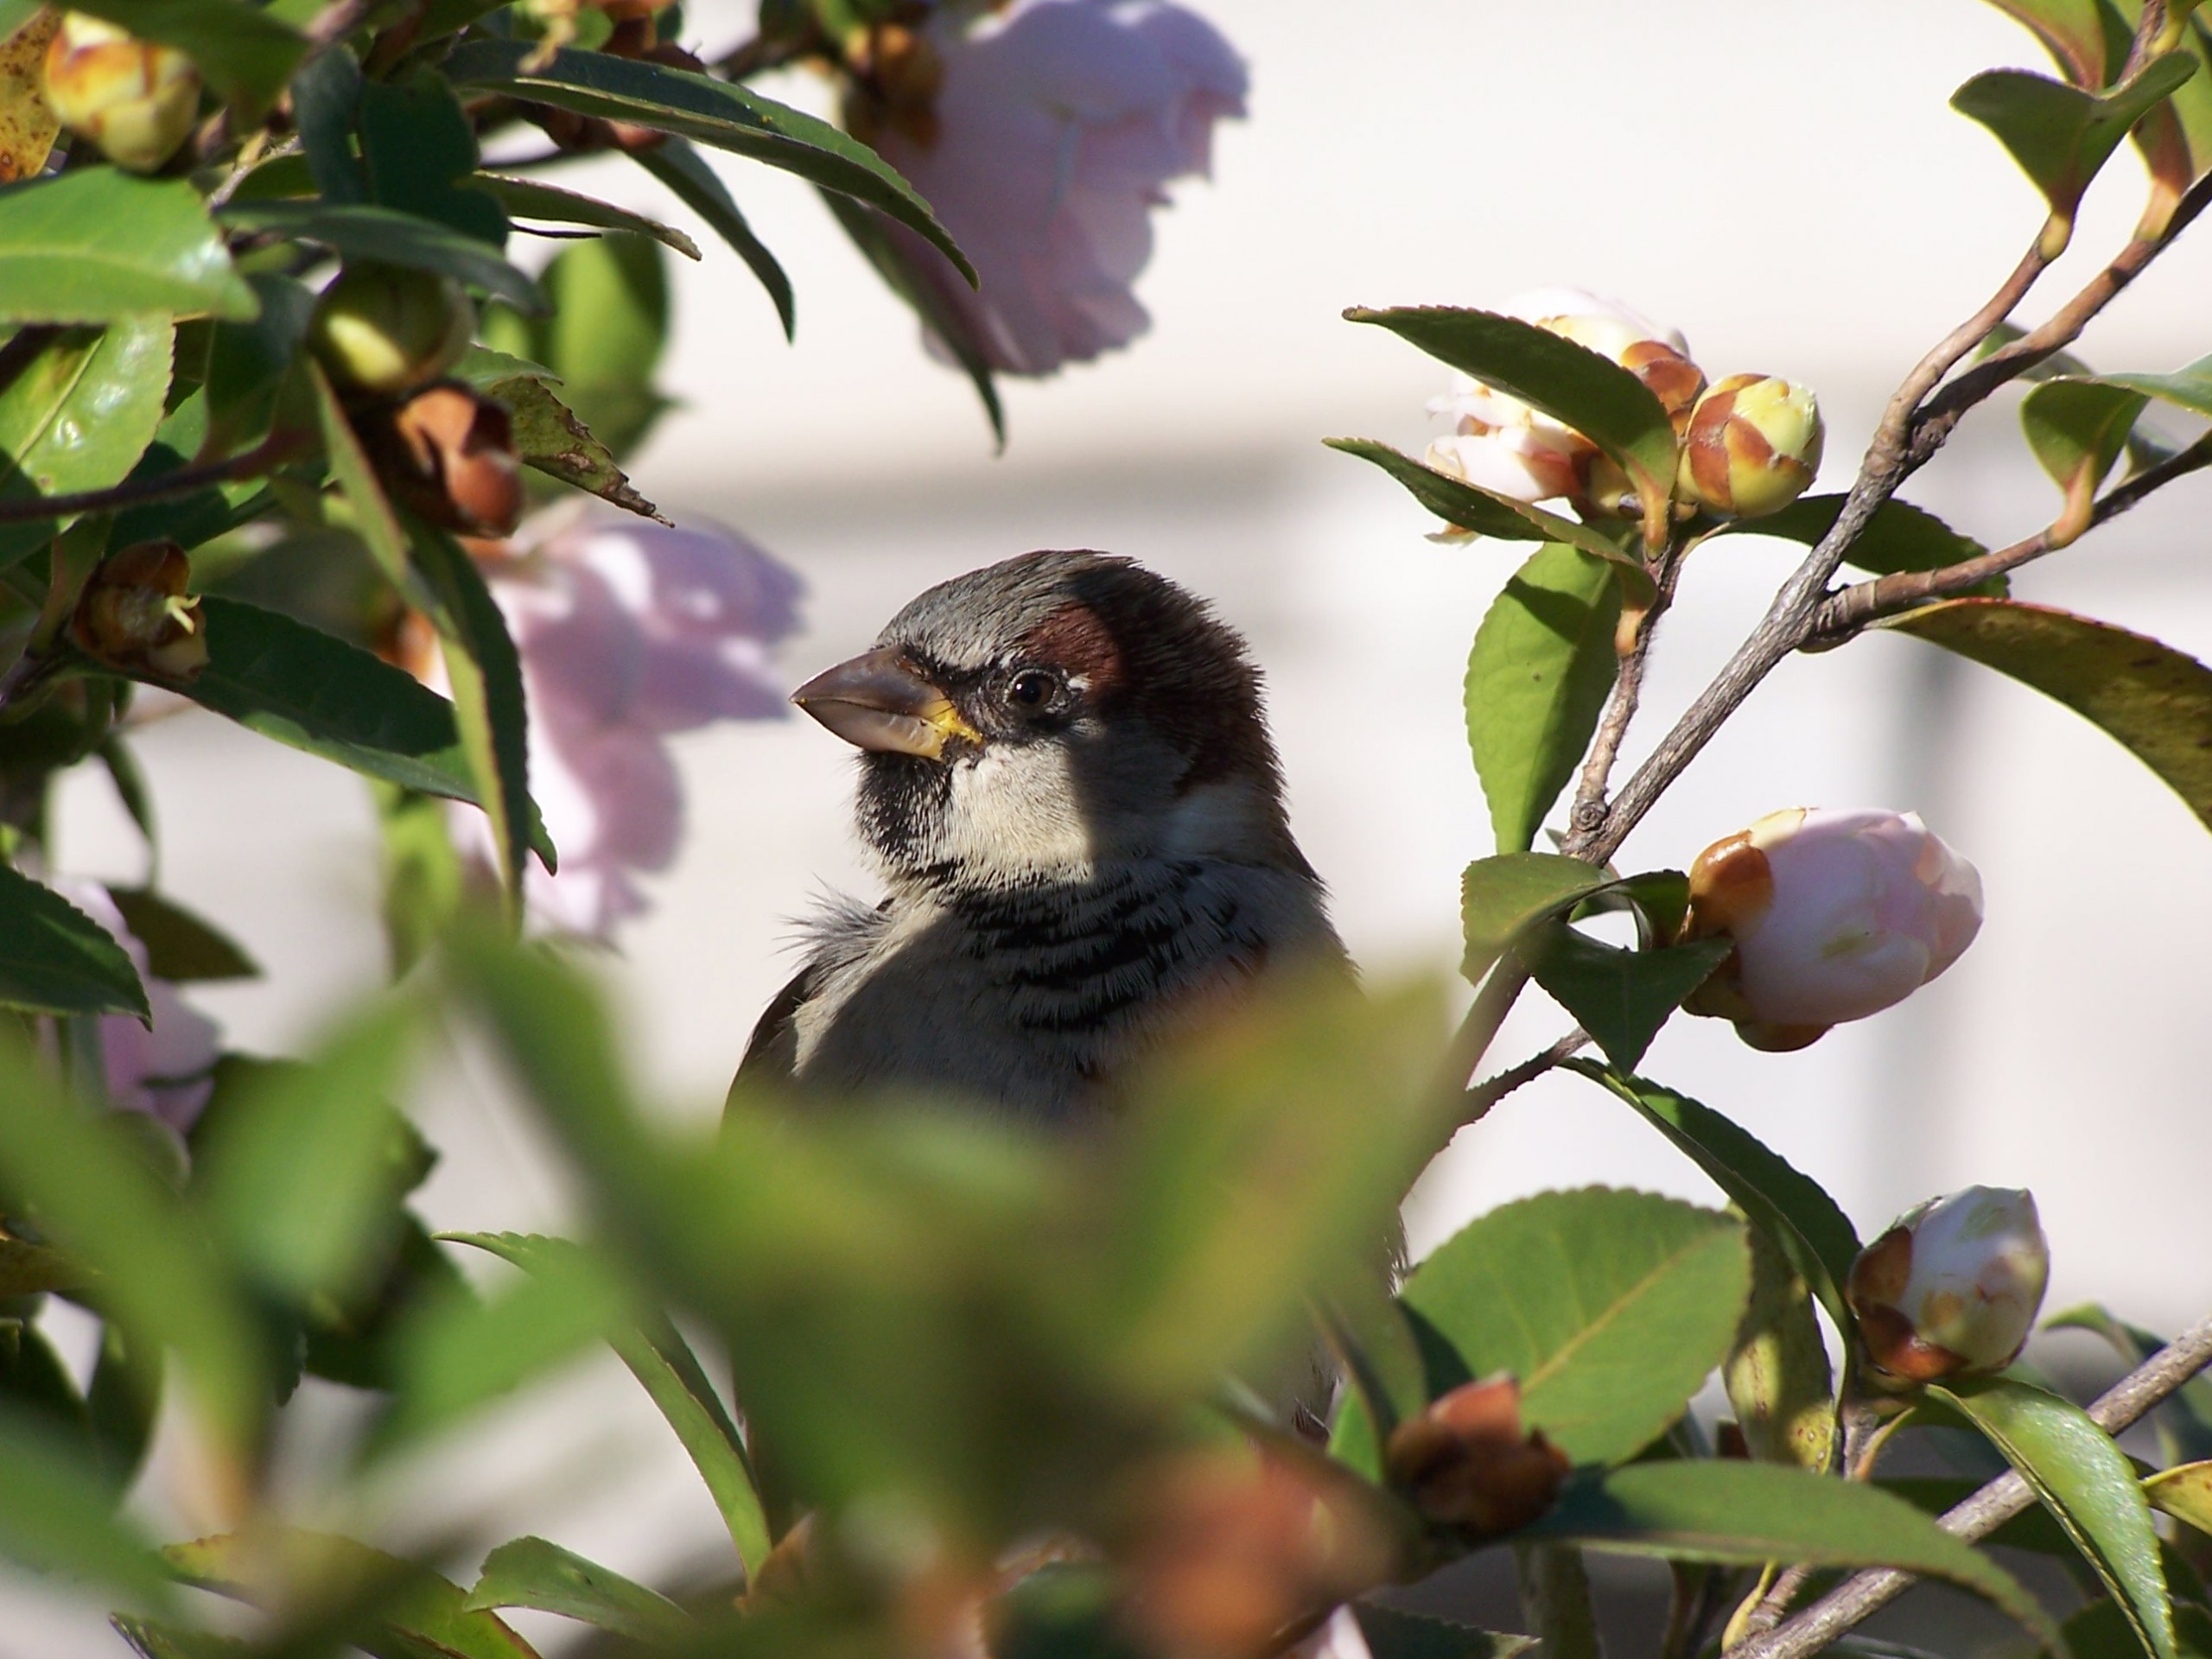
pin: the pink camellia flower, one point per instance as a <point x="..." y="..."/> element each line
<point x="1835" y="915"/>
<point x="1500" y="444"/>
<point x="1953" y="1288"/>
<point x="629" y="631"/>
<point x="167" y="1070"/>
<point x="1043" y="137"/>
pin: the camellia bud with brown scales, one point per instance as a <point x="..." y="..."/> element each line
<point x="389" y="329"/>
<point x="136" y="100"/>
<point x="133" y="614"/>
<point x="1752" y="447"/>
<point x="1468" y="1462"/>
<point x="449" y="454"/>
<point x="1953" y="1288"/>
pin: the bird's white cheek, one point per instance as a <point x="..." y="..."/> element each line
<point x="1018" y="811"/>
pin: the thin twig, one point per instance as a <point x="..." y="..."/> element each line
<point x="1944" y="355"/>
<point x="131" y="493"/>
<point x="1865" y="603"/>
<point x="1859" y="1596"/>
<point x="1483" y="1096"/>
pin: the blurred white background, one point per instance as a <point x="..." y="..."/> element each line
<point x="1786" y="185"/>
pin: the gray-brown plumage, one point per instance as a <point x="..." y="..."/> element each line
<point x="1068" y="788"/>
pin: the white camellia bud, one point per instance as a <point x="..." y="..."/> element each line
<point x="1835" y="914"/>
<point x="388" y="328"/>
<point x="1752" y="447"/>
<point x="137" y="101"/>
<point x="1953" y="1288"/>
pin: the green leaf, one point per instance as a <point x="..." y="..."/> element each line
<point x="2152" y="700"/>
<point x="698" y="186"/>
<point x="2084" y="1480"/>
<point x="180" y="946"/>
<point x="383" y="234"/>
<point x="98" y="245"/>
<point x="302" y="1175"/>
<point x="1537" y="678"/>
<point x="151" y="1639"/>
<point x="247" y="362"/>
<point x="122" y="1402"/>
<point x="2076" y="429"/>
<point x="55" y="959"/>
<point x="2184" y="1419"/>
<point x="2188" y="388"/>
<point x="418" y="150"/>
<point x="1610" y="1307"/>
<point x="78" y="416"/>
<point x="1792" y="1208"/>
<point x="1392" y="1633"/>
<point x="2100" y="1630"/>
<point x="531" y="1573"/>
<point x="895" y="262"/>
<point x="1749" y="1514"/>
<point x="36" y="1389"/>
<point x="2062" y="136"/>
<point x="1468" y="506"/>
<point x="374" y="520"/>
<point x="58" y="1515"/>
<point x="1620" y="997"/>
<point x="1899" y="536"/>
<point x="605" y="337"/>
<point x="326" y="107"/>
<point x="2072" y="31"/>
<point x="663" y="1363"/>
<point x="533" y="199"/>
<point x="706" y="110"/>
<point x="1572" y="383"/>
<point x="1499" y="897"/>
<point x="240" y="49"/>
<point x="2184" y="1492"/>
<point x="548" y="436"/>
<point x="486" y="674"/>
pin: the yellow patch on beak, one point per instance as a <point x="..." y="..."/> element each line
<point x="880" y="701"/>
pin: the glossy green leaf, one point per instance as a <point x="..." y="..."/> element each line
<point x="2072" y="31"/>
<point x="418" y="153"/>
<point x="1543" y="663"/>
<point x="1500" y="896"/>
<point x="706" y="110"/>
<point x="429" y="1615"/>
<point x="2188" y="388"/>
<point x="301" y="1176"/>
<point x="2076" y="429"/>
<point x="100" y="244"/>
<point x="78" y="416"/>
<point x="2084" y="1480"/>
<point x="531" y="1573"/>
<point x="55" y="959"/>
<point x="1572" y="383"/>
<point x="2100" y="1630"/>
<point x="1777" y="1377"/>
<point x="247" y="362"/>
<point x="240" y="49"/>
<point x="1392" y="1633"/>
<point x="326" y="108"/>
<point x="57" y="1515"/>
<point x="2184" y="1492"/>
<point x="151" y="1639"/>
<point x="2184" y="1419"/>
<point x="1620" y="997"/>
<point x="372" y="233"/>
<point x="663" y="1364"/>
<point x="2151" y="699"/>
<point x="122" y="1401"/>
<point x="1659" y="900"/>
<point x="180" y="946"/>
<point x="895" y="262"/>
<point x="1467" y="506"/>
<point x="1610" y="1307"/>
<point x="1792" y="1208"/>
<point x="486" y="674"/>
<point x="1748" y="1514"/>
<point x="698" y="186"/>
<point x="2143" y="449"/>
<point x="37" y="1389"/>
<point x="374" y="520"/>
<point x="604" y="336"/>
<point x="99" y="1200"/>
<point x="2062" y="136"/>
<point x="548" y="436"/>
<point x="1899" y="536"/>
<point x="534" y="198"/>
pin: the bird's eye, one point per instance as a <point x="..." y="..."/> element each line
<point x="1031" y="689"/>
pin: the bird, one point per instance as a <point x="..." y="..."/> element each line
<point x="1068" y="789"/>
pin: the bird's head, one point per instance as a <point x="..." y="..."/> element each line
<point x="1032" y="720"/>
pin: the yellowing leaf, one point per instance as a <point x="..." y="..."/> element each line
<point x="27" y="126"/>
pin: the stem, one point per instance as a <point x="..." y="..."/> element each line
<point x="1862" y="1594"/>
<point x="1556" y="1597"/>
<point x="131" y="493"/>
<point x="1472" y="1041"/>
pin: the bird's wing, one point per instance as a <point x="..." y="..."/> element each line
<point x="772" y="1054"/>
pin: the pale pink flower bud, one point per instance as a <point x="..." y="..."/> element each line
<point x="1835" y="915"/>
<point x="1053" y="129"/>
<point x="1953" y="1288"/>
<point x="165" y="1071"/>
<point x="137" y="101"/>
<point x="1520" y="461"/>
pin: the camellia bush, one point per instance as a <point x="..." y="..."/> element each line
<point x="294" y="438"/>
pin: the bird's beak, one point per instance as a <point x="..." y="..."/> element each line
<point x="878" y="702"/>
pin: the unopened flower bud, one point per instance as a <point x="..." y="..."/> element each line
<point x="1953" y="1288"/>
<point x="1467" y="1462"/>
<point x="135" y="100"/>
<point x="133" y="614"/>
<point x="450" y="455"/>
<point x="387" y="328"/>
<point x="1835" y="915"/>
<point x="1752" y="447"/>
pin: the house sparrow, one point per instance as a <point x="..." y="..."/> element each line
<point x="1068" y="786"/>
